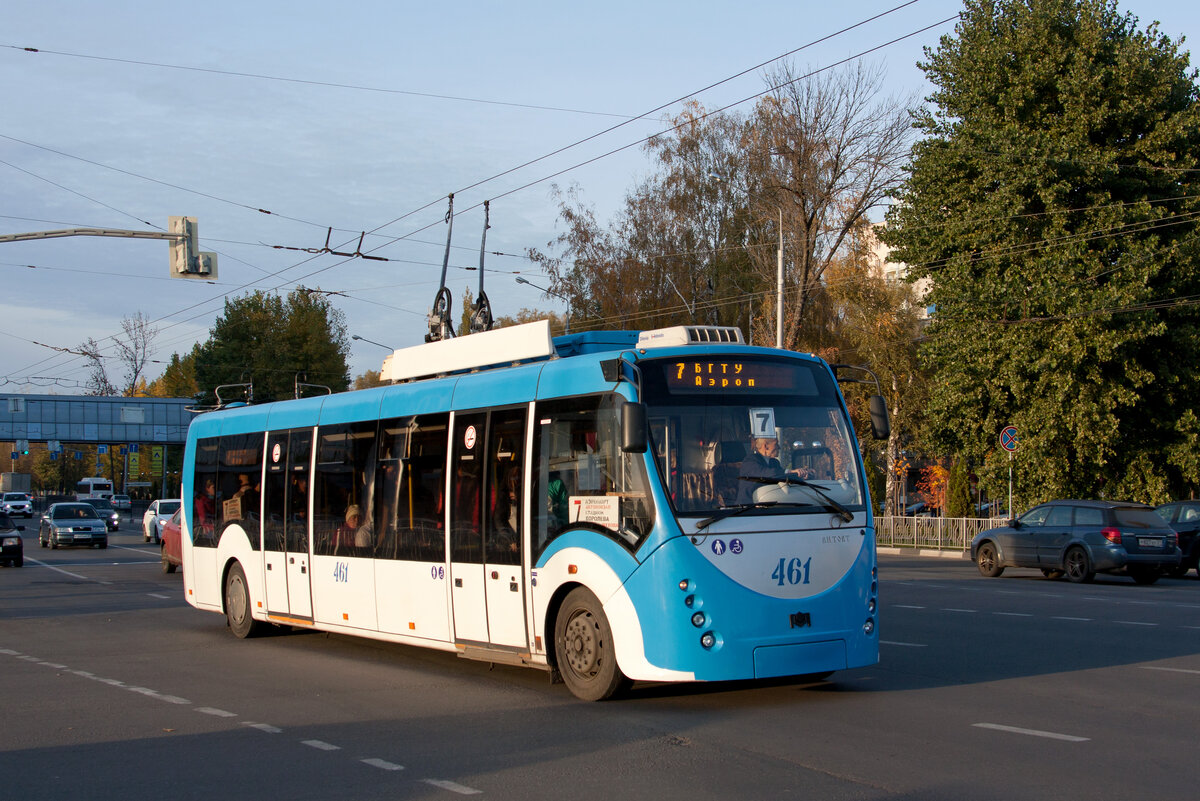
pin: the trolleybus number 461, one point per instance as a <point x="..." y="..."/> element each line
<point x="792" y="571"/>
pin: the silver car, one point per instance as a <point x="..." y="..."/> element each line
<point x="158" y="513"/>
<point x="74" y="523"/>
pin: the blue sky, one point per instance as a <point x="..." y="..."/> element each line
<point x="135" y="111"/>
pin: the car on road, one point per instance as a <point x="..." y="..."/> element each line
<point x="12" y="550"/>
<point x="72" y="523"/>
<point x="1184" y="517"/>
<point x="172" y="543"/>
<point x="104" y="508"/>
<point x="158" y="513"/>
<point x="1077" y="539"/>
<point x="122" y="503"/>
<point x="16" y="503"/>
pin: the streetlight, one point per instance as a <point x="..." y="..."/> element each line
<point x="778" y="268"/>
<point x="567" y="325"/>
<point x="373" y="342"/>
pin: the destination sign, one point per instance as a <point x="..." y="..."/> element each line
<point x="700" y="376"/>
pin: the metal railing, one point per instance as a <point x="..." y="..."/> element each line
<point x="937" y="533"/>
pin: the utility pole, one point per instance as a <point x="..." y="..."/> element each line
<point x="186" y="260"/>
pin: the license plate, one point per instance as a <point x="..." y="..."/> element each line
<point x="1150" y="542"/>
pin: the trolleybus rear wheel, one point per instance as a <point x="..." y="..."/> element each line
<point x="583" y="644"/>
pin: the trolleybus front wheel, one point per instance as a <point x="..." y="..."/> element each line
<point x="583" y="644"/>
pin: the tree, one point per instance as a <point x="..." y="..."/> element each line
<point x="370" y="378"/>
<point x="274" y="343"/>
<point x="1052" y="202"/>
<point x="178" y="379"/>
<point x="826" y="150"/>
<point x="134" y="347"/>
<point x="958" y="491"/>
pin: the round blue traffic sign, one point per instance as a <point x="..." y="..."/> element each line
<point x="1008" y="439"/>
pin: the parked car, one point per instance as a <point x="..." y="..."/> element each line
<point x="16" y="503"/>
<point x="12" y="550"/>
<point x="104" y="507"/>
<point x="122" y="503"/>
<point x="1184" y="517"/>
<point x="172" y="543"/>
<point x="158" y="513"/>
<point x="1080" y="538"/>
<point x="72" y="523"/>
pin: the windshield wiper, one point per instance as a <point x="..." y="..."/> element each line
<point x="734" y="511"/>
<point x="830" y="504"/>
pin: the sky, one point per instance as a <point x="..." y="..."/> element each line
<point x="272" y="122"/>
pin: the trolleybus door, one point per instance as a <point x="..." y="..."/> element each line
<point x="285" y="535"/>
<point x="485" y="543"/>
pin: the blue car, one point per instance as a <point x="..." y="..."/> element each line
<point x="1078" y="539"/>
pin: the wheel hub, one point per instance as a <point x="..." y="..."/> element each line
<point x="581" y="645"/>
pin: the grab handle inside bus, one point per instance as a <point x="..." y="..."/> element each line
<point x="633" y="427"/>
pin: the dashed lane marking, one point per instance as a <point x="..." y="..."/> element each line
<point x="382" y="764"/>
<point x="1050" y="735"/>
<point x="1170" y="669"/>
<point x="321" y="745"/>
<point x="453" y="787"/>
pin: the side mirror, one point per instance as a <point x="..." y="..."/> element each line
<point x="1012" y="522"/>
<point x="881" y="427"/>
<point x="633" y="428"/>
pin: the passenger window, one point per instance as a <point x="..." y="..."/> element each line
<point x="1086" y="516"/>
<point x="1036" y="516"/>
<point x="1060" y="516"/>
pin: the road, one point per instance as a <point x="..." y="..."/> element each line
<point x="1011" y="688"/>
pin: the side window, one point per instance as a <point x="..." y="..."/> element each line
<point x="1035" y="516"/>
<point x="1060" y="516"/>
<point x="410" y="481"/>
<point x="204" y="498"/>
<point x="275" y="491"/>
<point x="581" y="478"/>
<point x="1088" y="516"/>
<point x="239" y="484"/>
<point x="342" y="490"/>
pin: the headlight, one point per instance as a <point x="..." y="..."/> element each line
<point x="9" y="541"/>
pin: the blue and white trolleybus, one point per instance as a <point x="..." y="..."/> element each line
<point x="669" y="505"/>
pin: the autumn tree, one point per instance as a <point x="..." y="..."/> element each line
<point x="1053" y="204"/>
<point x="132" y="349"/>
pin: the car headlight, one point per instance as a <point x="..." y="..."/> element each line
<point x="10" y="541"/>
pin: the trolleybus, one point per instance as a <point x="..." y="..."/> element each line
<point x="666" y="506"/>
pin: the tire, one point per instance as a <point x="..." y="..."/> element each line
<point x="145" y="533"/>
<point x="583" y="646"/>
<point x="41" y="541"/>
<point x="19" y="561"/>
<point x="987" y="561"/>
<point x="1052" y="573"/>
<point x="1143" y="576"/>
<point x="167" y="566"/>
<point x="53" y="542"/>
<point x="237" y="604"/>
<point x="1079" y="566"/>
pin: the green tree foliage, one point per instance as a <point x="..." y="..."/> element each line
<point x="958" y="491"/>
<point x="178" y="379"/>
<point x="274" y="342"/>
<point x="1052" y="204"/>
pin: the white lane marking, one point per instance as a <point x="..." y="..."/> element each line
<point x="54" y="665"/>
<point x="453" y="787"/>
<point x="1013" y="614"/>
<point x="321" y="745"/>
<point x="217" y="713"/>
<point x="1078" y="619"/>
<point x="1133" y="623"/>
<point x="960" y="610"/>
<point x="58" y="569"/>
<point x="1170" y="669"/>
<point x="905" y="606"/>
<point x="904" y="644"/>
<point x="1071" y="738"/>
<point x="382" y="764"/>
<point x="159" y="595"/>
<point x="267" y="727"/>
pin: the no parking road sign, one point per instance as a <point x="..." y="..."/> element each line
<point x="1008" y="439"/>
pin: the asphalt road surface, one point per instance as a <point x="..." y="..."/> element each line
<point x="1012" y="688"/>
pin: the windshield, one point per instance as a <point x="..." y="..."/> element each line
<point x="100" y="503"/>
<point x="167" y="507"/>
<point x="735" y="432"/>
<point x="13" y="496"/>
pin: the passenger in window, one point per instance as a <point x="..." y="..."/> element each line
<point x="206" y="505"/>
<point x="353" y="534"/>
<point x="506" y="521"/>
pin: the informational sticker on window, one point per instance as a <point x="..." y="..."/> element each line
<point x="762" y="423"/>
<point x="600" y="510"/>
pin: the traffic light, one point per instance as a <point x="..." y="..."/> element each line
<point x="186" y="259"/>
<point x="23" y="447"/>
